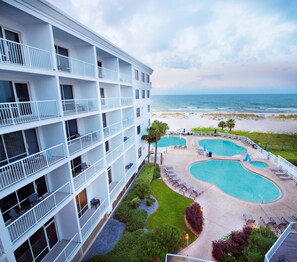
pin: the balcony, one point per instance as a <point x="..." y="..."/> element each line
<point x="112" y="155"/>
<point x="125" y="78"/>
<point x="112" y="129"/>
<point x="79" y="106"/>
<point x="115" y="188"/>
<point x="74" y="66"/>
<point x="130" y="171"/>
<point x="126" y="101"/>
<point x="82" y="142"/>
<point x="33" y="216"/>
<point x="107" y="103"/>
<point x="24" y="112"/>
<point x="107" y="74"/>
<point x="128" y="142"/>
<point x="91" y="218"/>
<point x="129" y="121"/>
<point x="19" y="54"/>
<point x="24" y="168"/>
<point x="63" y="251"/>
<point x="86" y="175"/>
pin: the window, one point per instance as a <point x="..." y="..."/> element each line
<point x="106" y="146"/>
<point x="142" y="77"/>
<point x="147" y="78"/>
<point x="138" y="112"/>
<point x="139" y="152"/>
<point x="143" y="93"/>
<point x="81" y="202"/>
<point x="76" y="166"/>
<point x="137" y="93"/>
<point x="138" y="130"/>
<point x="109" y="174"/>
<point x="148" y="122"/>
<point x="104" y="121"/>
<point x="148" y="108"/>
<point x="148" y="93"/>
<point x="136" y="74"/>
<point x="71" y="129"/>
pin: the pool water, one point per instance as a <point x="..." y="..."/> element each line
<point x="220" y="147"/>
<point x="259" y="164"/>
<point x="233" y="179"/>
<point x="172" y="141"/>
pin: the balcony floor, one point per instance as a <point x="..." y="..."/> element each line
<point x="84" y="218"/>
<point x="287" y="250"/>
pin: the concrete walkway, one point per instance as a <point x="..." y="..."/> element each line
<point x="224" y="213"/>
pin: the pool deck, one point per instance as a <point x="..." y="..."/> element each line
<point x="224" y="213"/>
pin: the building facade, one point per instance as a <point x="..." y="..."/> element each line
<point x="73" y="108"/>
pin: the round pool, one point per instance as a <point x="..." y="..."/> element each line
<point x="221" y="147"/>
<point x="172" y="141"/>
<point x="259" y="164"/>
<point x="233" y="179"/>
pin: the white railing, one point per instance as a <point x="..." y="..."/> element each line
<point x="107" y="74"/>
<point x="85" y="176"/>
<point x="125" y="78"/>
<point x="22" y="112"/>
<point x="78" y="144"/>
<point x="126" y="101"/>
<point x="117" y="189"/>
<point x="130" y="172"/>
<point x="20" y="54"/>
<point x="78" y="106"/>
<point x="129" y="121"/>
<point x="289" y="167"/>
<point x="130" y="141"/>
<point x="111" y="156"/>
<point x="68" y="251"/>
<point x="21" y="169"/>
<point x="112" y="129"/>
<point x="107" y="103"/>
<point x="74" y="66"/>
<point x="279" y="241"/>
<point x="94" y="219"/>
<point x="34" y="215"/>
<point x="181" y="258"/>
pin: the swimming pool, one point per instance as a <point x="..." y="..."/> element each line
<point x="220" y="147"/>
<point x="259" y="164"/>
<point x="172" y="141"/>
<point x="233" y="179"/>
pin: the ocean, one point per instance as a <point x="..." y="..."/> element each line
<point x="276" y="103"/>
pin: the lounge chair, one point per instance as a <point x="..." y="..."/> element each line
<point x="248" y="219"/>
<point x="277" y="169"/>
<point x="287" y="219"/>
<point x="181" y="184"/>
<point x="267" y="221"/>
<point x="278" y="222"/>
<point x="175" y="181"/>
<point x="195" y="193"/>
<point x="282" y="173"/>
<point x="285" y="177"/>
<point x="294" y="216"/>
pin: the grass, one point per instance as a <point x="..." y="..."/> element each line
<point x="171" y="209"/>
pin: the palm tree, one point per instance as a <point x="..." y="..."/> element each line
<point x="222" y="124"/>
<point x="230" y="124"/>
<point x="157" y="130"/>
<point x="149" y="139"/>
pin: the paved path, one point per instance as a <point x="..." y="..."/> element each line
<point x="223" y="213"/>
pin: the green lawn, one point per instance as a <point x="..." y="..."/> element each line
<point x="171" y="208"/>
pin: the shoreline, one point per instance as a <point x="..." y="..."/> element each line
<point x="282" y="123"/>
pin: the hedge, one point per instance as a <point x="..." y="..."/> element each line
<point x="142" y="183"/>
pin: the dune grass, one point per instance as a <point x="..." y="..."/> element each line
<point x="171" y="209"/>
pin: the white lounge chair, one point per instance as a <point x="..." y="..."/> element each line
<point x="248" y="219"/>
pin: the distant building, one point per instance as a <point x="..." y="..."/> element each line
<point x="72" y="111"/>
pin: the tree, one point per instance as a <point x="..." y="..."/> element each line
<point x="222" y="124"/>
<point x="149" y="139"/>
<point x="230" y="124"/>
<point x="157" y="130"/>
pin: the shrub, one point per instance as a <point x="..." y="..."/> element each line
<point x="144" y="180"/>
<point x="131" y="194"/>
<point x="153" y="251"/>
<point x="156" y="172"/>
<point x="135" y="202"/>
<point x="194" y="217"/>
<point x="150" y="201"/>
<point x="122" y="213"/>
<point x="168" y="237"/>
<point x="136" y="220"/>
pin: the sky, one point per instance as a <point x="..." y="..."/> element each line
<point x="201" y="46"/>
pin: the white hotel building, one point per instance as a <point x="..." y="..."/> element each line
<point x="73" y="108"/>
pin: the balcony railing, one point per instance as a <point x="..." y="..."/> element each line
<point x="24" y="55"/>
<point x="125" y="78"/>
<point x="79" y="106"/>
<point x="82" y="142"/>
<point x="129" y="121"/>
<point x="107" y="74"/>
<point x="85" y="176"/>
<point x="74" y="66"/>
<point x="21" y="169"/>
<point x="117" y="189"/>
<point x="130" y="141"/>
<point x="68" y="251"/>
<point x="126" y="101"/>
<point x="33" y="216"/>
<point x="112" y="129"/>
<point x="24" y="112"/>
<point x="107" y="103"/>
<point x="130" y="172"/>
<point x="92" y="222"/>
<point x="114" y="154"/>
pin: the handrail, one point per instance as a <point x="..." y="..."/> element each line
<point x="115" y="189"/>
<point x="112" y="129"/>
<point x="112" y="155"/>
<point x="108" y="74"/>
<point x="127" y="122"/>
<point x="111" y="102"/>
<point x="78" y="106"/>
<point x="63" y="252"/>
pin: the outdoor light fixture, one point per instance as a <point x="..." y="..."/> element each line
<point x="187" y="238"/>
<point x="201" y="209"/>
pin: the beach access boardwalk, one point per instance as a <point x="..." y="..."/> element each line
<point x="224" y="213"/>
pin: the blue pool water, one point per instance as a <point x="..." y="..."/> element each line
<point x="233" y="179"/>
<point x="259" y="164"/>
<point x="220" y="147"/>
<point x="172" y="141"/>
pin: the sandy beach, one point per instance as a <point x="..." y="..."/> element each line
<point x="271" y="123"/>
